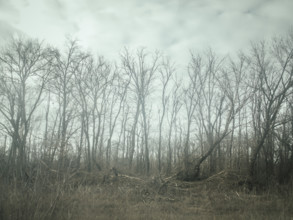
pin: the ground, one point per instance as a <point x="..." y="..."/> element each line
<point x="107" y="196"/>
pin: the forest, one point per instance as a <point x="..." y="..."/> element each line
<point x="141" y="128"/>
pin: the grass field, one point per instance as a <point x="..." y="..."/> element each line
<point x="96" y="196"/>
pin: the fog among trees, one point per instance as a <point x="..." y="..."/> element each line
<point x="67" y="110"/>
<point x="159" y="110"/>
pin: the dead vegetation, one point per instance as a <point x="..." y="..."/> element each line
<point x="114" y="195"/>
<point x="67" y="116"/>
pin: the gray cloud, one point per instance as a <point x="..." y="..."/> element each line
<point x="7" y="31"/>
<point x="174" y="26"/>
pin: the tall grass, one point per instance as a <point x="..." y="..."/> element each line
<point x="89" y="196"/>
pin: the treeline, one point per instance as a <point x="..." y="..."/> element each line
<point x="67" y="109"/>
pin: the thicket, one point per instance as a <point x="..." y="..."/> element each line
<point x="62" y="111"/>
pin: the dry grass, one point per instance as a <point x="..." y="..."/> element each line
<point x="97" y="196"/>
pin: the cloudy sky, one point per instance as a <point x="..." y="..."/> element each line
<point x="172" y="26"/>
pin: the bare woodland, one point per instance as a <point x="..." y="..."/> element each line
<point x="66" y="111"/>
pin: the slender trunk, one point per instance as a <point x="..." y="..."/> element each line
<point x="46" y="127"/>
<point x="86" y="130"/>
<point x="101" y="144"/>
<point x="231" y="144"/>
<point x="80" y="141"/>
<point x="169" y="162"/>
<point x="160" y="139"/>
<point x="133" y="133"/>
<point x="186" y="146"/>
<point x="64" y="129"/>
<point x="147" y="160"/>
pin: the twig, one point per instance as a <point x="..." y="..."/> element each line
<point x="131" y="177"/>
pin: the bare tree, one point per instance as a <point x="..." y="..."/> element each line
<point x="98" y="83"/>
<point x="142" y="74"/>
<point x="272" y="70"/>
<point x="166" y="72"/>
<point x="65" y="68"/>
<point x="190" y="103"/>
<point x="175" y="108"/>
<point x="25" y="68"/>
<point x="237" y="70"/>
<point x="92" y="79"/>
<point x="216" y="105"/>
<point x="119" y="92"/>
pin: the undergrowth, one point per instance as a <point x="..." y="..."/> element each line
<point x="83" y="195"/>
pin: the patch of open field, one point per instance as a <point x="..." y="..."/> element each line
<point x="90" y="196"/>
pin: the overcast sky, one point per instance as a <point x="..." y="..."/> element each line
<point x="172" y="26"/>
